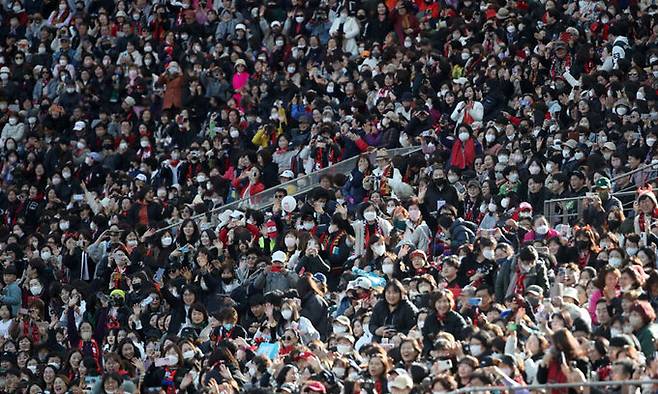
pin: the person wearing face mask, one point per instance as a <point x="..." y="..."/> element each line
<point x="528" y="270"/>
<point x="337" y="246"/>
<point x="346" y="28"/>
<point x="291" y="318"/>
<point x="540" y="230"/>
<point x="276" y="275"/>
<point x="463" y="148"/>
<point x="371" y="225"/>
<point x="14" y="128"/>
<point x="417" y="232"/>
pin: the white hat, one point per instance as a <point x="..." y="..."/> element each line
<point x="240" y="26"/>
<point x="570" y="292"/>
<point x="279" y="256"/>
<point x="4" y="69"/>
<point x="236" y="214"/>
<point x="141" y="177"/>
<point x="122" y="13"/>
<point x="79" y="125"/>
<point x="287" y="174"/>
<point x="403" y="381"/>
<point x="360" y="282"/>
<point x="288" y="204"/>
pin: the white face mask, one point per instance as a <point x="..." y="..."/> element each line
<point x="503" y="159"/>
<point x="490" y="138"/>
<point x="132" y="242"/>
<point x="513" y="177"/>
<point x="36" y="290"/>
<point x="651" y="141"/>
<point x="504" y="202"/>
<point x="534" y="169"/>
<point x="338" y="371"/>
<point x="308" y="226"/>
<point x="387" y="268"/>
<point x="614" y="261"/>
<point x="463" y="136"/>
<point x="542" y="230"/>
<point x="166" y="241"/>
<point x="343" y="349"/>
<point x="566" y="153"/>
<point x="286" y="314"/>
<point x="45" y="255"/>
<point x="488" y="254"/>
<point x="188" y="355"/>
<point x="631" y="251"/>
<point x="378" y="249"/>
<point x="579" y="155"/>
<point x="369" y="215"/>
<point x="290" y="242"/>
<point x="492" y="207"/>
<point x="549" y="167"/>
<point x="279" y="43"/>
<point x="299" y="19"/>
<point x="339" y="329"/>
<point x="476" y="350"/>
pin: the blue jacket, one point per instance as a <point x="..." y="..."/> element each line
<point x="12" y="296"/>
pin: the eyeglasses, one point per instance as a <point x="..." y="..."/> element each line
<point x="278" y="196"/>
<point x="287" y="338"/>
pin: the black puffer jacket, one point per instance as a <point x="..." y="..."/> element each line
<point x="452" y="323"/>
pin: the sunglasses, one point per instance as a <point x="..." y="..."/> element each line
<point x="287" y="338"/>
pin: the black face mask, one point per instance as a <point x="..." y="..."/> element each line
<point x="614" y="224"/>
<point x="582" y="245"/>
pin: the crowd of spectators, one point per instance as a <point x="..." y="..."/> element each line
<point x="516" y="245"/>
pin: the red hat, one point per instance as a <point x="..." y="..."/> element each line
<point x="304" y="355"/>
<point x="490" y="13"/>
<point x="419" y="253"/>
<point x="316" y="386"/>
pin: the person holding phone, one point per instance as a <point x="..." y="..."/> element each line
<point x="394" y="314"/>
<point x="564" y="362"/>
<point x="168" y="372"/>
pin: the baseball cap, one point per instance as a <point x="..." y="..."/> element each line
<point x="141" y="177"/>
<point x="403" y="381"/>
<point x="603" y="183"/>
<point x="279" y="256"/>
<point x="287" y="174"/>
<point x="79" y="125"/>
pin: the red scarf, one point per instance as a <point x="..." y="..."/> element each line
<point x="463" y="155"/>
<point x="27" y="327"/>
<point x="169" y="380"/>
<point x="90" y="347"/>
<point x="520" y="286"/>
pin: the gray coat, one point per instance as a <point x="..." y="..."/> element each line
<point x="268" y="281"/>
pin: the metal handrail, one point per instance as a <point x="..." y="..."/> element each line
<point x="306" y="181"/>
<point x="631" y="172"/>
<point x="557" y="385"/>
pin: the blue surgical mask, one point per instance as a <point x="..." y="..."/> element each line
<point x="228" y="326"/>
